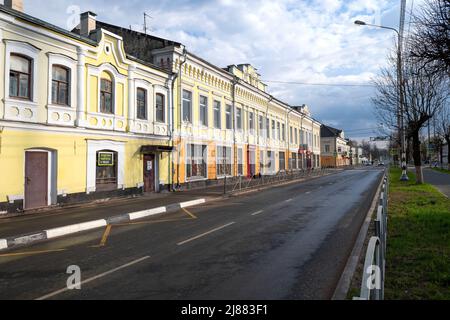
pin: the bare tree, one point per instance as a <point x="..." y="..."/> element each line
<point x="425" y="94"/>
<point x="430" y="42"/>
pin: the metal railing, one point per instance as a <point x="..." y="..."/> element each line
<point x="241" y="183"/>
<point x="372" y="284"/>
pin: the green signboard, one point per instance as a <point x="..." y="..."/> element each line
<point x="105" y="159"/>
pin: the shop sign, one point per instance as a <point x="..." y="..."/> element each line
<point x="105" y="159"/>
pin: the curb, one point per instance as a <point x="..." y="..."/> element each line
<point x="340" y="293"/>
<point x="16" y="241"/>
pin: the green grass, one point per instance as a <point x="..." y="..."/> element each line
<point x="418" y="248"/>
<point x="441" y="170"/>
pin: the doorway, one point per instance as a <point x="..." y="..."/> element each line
<point x="36" y="179"/>
<point x="149" y="173"/>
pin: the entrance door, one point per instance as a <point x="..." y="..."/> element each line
<point x="36" y="179"/>
<point x="149" y="173"/>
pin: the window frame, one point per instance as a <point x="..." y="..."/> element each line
<point x="103" y="93"/>
<point x="203" y="122"/>
<point x="18" y="74"/>
<point x="217" y="111"/>
<point x="145" y="91"/>
<point x="185" y="100"/>
<point x="163" y="107"/>
<point x="68" y="83"/>
<point x="229" y="116"/>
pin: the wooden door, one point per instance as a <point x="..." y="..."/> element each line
<point x="149" y="173"/>
<point x="36" y="179"/>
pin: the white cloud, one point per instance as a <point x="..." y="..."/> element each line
<point x="289" y="40"/>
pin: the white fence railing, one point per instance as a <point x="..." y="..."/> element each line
<point x="372" y="284"/>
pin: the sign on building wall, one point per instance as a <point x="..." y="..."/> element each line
<point x="105" y="159"/>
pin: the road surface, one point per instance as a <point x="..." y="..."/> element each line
<point x="289" y="242"/>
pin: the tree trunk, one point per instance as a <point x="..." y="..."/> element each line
<point x="416" y="157"/>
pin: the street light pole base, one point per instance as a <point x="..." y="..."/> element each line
<point x="404" y="176"/>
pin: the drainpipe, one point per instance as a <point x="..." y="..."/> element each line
<point x="180" y="105"/>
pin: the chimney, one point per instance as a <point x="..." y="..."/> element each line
<point x="88" y="23"/>
<point x="14" y="4"/>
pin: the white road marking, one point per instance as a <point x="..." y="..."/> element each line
<point x="58" y="232"/>
<point x="205" y="234"/>
<point x="308" y="192"/>
<point x="52" y="294"/>
<point x="257" y="212"/>
<point x="289" y="200"/>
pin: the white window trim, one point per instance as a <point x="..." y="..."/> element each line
<point x="93" y="146"/>
<point x="189" y="122"/>
<point x="71" y="65"/>
<point x="143" y="84"/>
<point x="22" y="48"/>
<point x="205" y="95"/>
<point x="194" y="179"/>
<point x="116" y="79"/>
<point x="161" y="90"/>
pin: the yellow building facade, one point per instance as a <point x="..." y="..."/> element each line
<point x="80" y="119"/>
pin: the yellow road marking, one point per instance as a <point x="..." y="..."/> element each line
<point x="29" y="253"/>
<point x="189" y="213"/>
<point x="104" y="237"/>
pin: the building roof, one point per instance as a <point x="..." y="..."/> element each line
<point x="136" y="44"/>
<point x="327" y="131"/>
<point x="44" y="24"/>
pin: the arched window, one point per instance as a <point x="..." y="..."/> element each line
<point x="106" y="96"/>
<point x="160" y="107"/>
<point x="141" y="103"/>
<point x="60" y="85"/>
<point x="20" y="77"/>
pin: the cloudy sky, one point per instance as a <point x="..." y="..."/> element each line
<point x="301" y="41"/>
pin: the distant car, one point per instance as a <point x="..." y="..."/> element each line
<point x="381" y="164"/>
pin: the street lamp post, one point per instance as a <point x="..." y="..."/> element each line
<point x="404" y="176"/>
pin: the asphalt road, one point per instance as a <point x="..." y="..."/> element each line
<point x="290" y="242"/>
<point x="439" y="179"/>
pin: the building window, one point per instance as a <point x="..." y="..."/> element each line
<point x="282" y="161"/>
<point x="296" y="135"/>
<point x="141" y="103"/>
<point x="274" y="131"/>
<point x="278" y="131"/>
<point x="60" y="85"/>
<point x="240" y="160"/>
<point x="217" y="115"/>
<point x="261" y="125"/>
<point x="283" y="132"/>
<point x="106" y="170"/>
<point x="196" y="161"/>
<point x="239" y="119"/>
<point x="160" y="108"/>
<point x="262" y="164"/>
<point x="267" y="128"/>
<point x="20" y="77"/>
<point x="224" y="161"/>
<point x="106" y="97"/>
<point x="203" y="111"/>
<point x="251" y="122"/>
<point x="187" y="106"/>
<point x="294" y="165"/>
<point x="270" y="165"/>
<point x="228" y="117"/>
<point x="327" y="148"/>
